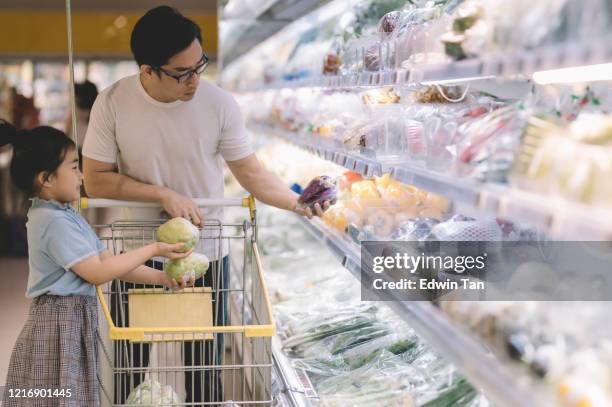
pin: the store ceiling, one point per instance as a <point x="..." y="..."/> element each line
<point x="201" y="6"/>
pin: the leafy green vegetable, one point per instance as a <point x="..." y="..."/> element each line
<point x="349" y="340"/>
<point x="459" y="394"/>
<point x="195" y="264"/>
<point x="152" y="393"/>
<point x="329" y="329"/>
<point x="178" y="230"/>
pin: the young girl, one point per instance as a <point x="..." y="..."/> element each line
<point x="57" y="347"/>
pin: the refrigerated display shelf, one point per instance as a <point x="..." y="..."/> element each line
<point x="503" y="384"/>
<point x="295" y="391"/>
<point x="554" y="216"/>
<point x="520" y="64"/>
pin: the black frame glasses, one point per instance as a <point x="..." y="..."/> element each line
<point x="184" y="77"/>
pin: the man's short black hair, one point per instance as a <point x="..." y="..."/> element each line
<point x="160" y="34"/>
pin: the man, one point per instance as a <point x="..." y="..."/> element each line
<point x="168" y="133"/>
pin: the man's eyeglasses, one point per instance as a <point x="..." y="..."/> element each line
<point x="184" y="77"/>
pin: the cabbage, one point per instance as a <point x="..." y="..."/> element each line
<point x="194" y="265"/>
<point x="151" y="393"/>
<point x="178" y="230"/>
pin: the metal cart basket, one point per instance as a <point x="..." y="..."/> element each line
<point x="204" y="345"/>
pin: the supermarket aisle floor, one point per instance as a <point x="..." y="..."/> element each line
<point x="13" y="306"/>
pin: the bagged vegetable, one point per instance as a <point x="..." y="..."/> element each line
<point x="152" y="393"/>
<point x="318" y="191"/>
<point x="178" y="230"/>
<point x="194" y="265"/>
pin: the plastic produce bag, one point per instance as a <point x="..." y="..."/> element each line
<point x="152" y="393"/>
<point x="320" y="328"/>
<point x="419" y="229"/>
<point x="486" y="230"/>
<point x="178" y="230"/>
<point x="490" y="144"/>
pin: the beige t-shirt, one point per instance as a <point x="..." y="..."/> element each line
<point x="179" y="145"/>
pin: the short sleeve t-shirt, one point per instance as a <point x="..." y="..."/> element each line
<point x="58" y="238"/>
<point x="179" y="145"/>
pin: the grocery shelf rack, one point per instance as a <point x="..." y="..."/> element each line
<point x="554" y="216"/>
<point x="503" y="384"/>
<point x="508" y="65"/>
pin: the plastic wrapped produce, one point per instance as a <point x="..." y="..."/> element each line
<point x="194" y="265"/>
<point x="419" y="229"/>
<point x="468" y="230"/>
<point x="415" y="37"/>
<point x="552" y="159"/>
<point x="152" y="393"/>
<point x="348" y="178"/>
<point x="490" y="144"/>
<point x="339" y="217"/>
<point x="468" y="33"/>
<point x="320" y="190"/>
<point x="381" y="97"/>
<point x="331" y="64"/>
<point x="178" y="230"/>
<point x="417" y="143"/>
<point x="318" y="328"/>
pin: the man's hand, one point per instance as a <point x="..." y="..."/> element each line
<point x="177" y="205"/>
<point x="308" y="212"/>
<point x="170" y="251"/>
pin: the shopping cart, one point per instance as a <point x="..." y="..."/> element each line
<point x="205" y="345"/>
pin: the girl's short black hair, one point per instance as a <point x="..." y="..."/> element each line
<point x="40" y="150"/>
<point x="160" y="34"/>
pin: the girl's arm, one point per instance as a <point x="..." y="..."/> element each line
<point x="147" y="275"/>
<point x="102" y="269"/>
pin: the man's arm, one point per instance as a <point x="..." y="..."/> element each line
<point x="102" y="181"/>
<point x="267" y="187"/>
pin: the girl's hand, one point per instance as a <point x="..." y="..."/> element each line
<point x="170" y="251"/>
<point x="175" y="285"/>
<point x="168" y="282"/>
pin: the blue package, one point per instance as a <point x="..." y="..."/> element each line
<point x="297" y="188"/>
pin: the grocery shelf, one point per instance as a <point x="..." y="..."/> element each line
<point x="554" y="216"/>
<point x="501" y="65"/>
<point x="503" y="384"/>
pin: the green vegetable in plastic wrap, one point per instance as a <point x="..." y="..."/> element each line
<point x="350" y="339"/>
<point x="178" y="230"/>
<point x="400" y="347"/>
<point x="453" y="45"/>
<point x="152" y="393"/>
<point x="459" y="394"/>
<point x="373" y="12"/>
<point x="194" y="265"/>
<point x="326" y="330"/>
